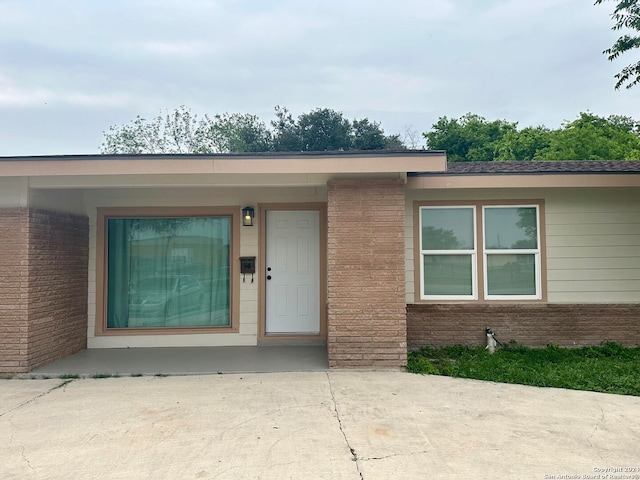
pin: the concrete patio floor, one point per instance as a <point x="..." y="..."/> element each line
<point x="186" y="361"/>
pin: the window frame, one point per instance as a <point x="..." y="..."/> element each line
<point x="504" y="251"/>
<point x="473" y="253"/>
<point x="102" y="249"/>
<point x="480" y="278"/>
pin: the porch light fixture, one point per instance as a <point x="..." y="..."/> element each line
<point x="247" y="216"/>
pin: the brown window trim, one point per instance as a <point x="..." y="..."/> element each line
<point x="103" y="214"/>
<point x="478" y="204"/>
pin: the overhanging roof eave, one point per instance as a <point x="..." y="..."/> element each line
<point x="320" y="163"/>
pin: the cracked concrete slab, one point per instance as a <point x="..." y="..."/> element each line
<point x="441" y="427"/>
<point x="14" y="393"/>
<point x="216" y="426"/>
<point x="319" y="425"/>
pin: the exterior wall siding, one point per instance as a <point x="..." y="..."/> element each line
<point x="366" y="268"/>
<point x="43" y="287"/>
<point x="593" y="246"/>
<point x="593" y="240"/>
<point x="533" y="324"/>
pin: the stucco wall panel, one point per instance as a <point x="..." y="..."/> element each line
<point x="249" y="246"/>
<point x="14" y="192"/>
<point x="69" y="201"/>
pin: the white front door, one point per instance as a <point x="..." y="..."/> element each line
<point x="293" y="272"/>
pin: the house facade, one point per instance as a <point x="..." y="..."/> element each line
<point x="370" y="252"/>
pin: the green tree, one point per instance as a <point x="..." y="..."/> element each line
<point x="177" y="132"/>
<point x="286" y="137"/>
<point x="181" y="131"/>
<point x="367" y="135"/>
<point x="626" y="15"/>
<point x="590" y="137"/>
<point x="523" y="144"/>
<point x="471" y="138"/>
<point x="324" y="129"/>
<point x="237" y="133"/>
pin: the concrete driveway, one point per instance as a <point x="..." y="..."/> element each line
<point x="314" y="425"/>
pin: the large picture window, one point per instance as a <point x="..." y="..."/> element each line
<point x="167" y="272"/>
<point x="482" y="251"/>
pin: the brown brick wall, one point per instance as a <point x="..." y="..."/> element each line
<point x="14" y="272"/>
<point x="45" y="315"/>
<point x="58" y="283"/>
<point x="532" y="324"/>
<point x="365" y="273"/>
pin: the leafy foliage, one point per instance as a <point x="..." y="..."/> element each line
<point x="626" y="15"/>
<point x="181" y="131"/>
<point x="593" y="138"/>
<point x="610" y="368"/>
<point x="473" y="138"/>
<point x="523" y="144"/>
<point x="324" y="129"/>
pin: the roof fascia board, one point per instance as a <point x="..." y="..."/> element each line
<point x="181" y="165"/>
<point x="448" y="182"/>
<point x="202" y="180"/>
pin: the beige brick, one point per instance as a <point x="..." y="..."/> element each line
<point x="43" y="287"/>
<point x="366" y="245"/>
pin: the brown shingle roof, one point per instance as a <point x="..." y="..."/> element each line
<point x="542" y="167"/>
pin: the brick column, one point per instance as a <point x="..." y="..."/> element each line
<point x="43" y="287"/>
<point x="14" y="281"/>
<point x="366" y="273"/>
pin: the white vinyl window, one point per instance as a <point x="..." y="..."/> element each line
<point x="511" y="252"/>
<point x="448" y="253"/>
<point x="503" y="258"/>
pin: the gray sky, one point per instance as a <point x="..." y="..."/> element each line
<point x="69" y="69"/>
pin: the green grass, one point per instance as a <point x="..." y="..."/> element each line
<point x="105" y="375"/>
<point x="610" y="368"/>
